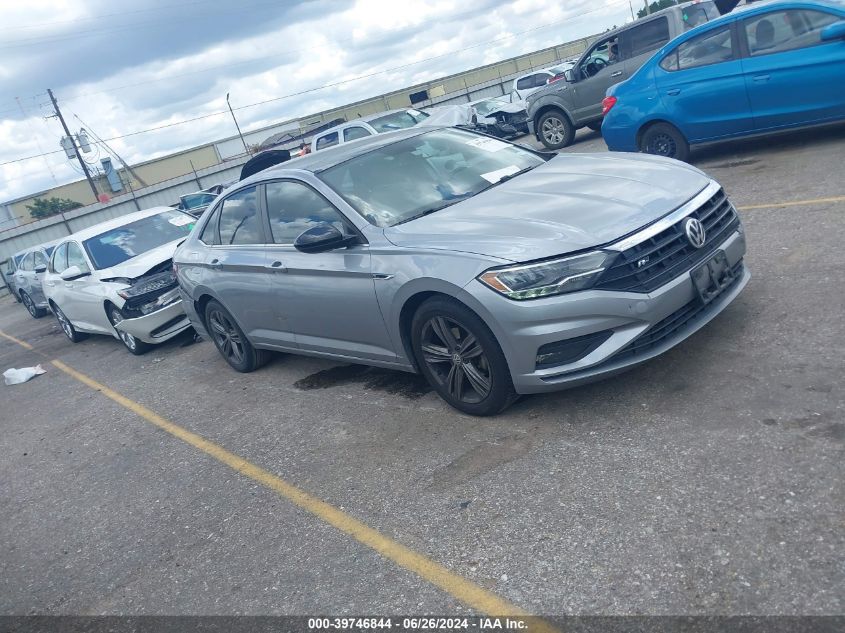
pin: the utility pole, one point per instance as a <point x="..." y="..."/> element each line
<point x="246" y="149"/>
<point x="631" y="6"/>
<point x="647" y="8"/>
<point x="82" y="163"/>
<point x="126" y="166"/>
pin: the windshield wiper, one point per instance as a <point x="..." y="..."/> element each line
<point x="510" y="176"/>
<point x="438" y="206"/>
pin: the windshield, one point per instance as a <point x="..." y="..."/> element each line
<point x="194" y="200"/>
<point x="411" y="177"/>
<point x="125" y="242"/>
<point x="398" y="120"/>
<point x="486" y="107"/>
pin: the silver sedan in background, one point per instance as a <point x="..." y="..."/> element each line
<point x="492" y="269"/>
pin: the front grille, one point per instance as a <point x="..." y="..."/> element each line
<point x="659" y="259"/>
<point x="666" y="328"/>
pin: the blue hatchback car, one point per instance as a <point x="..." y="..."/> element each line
<point x="769" y="67"/>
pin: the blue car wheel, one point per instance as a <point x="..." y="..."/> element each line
<point x="663" y="139"/>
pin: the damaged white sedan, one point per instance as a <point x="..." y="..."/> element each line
<point x="117" y="278"/>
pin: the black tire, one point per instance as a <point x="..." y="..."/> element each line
<point x="555" y="130"/>
<point x="130" y="342"/>
<point x="663" y="139"/>
<point x="34" y="311"/>
<point x="595" y="126"/>
<point x="67" y="326"/>
<point x="447" y="338"/>
<point x="230" y="340"/>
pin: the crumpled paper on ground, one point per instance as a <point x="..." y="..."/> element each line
<point x="15" y="376"/>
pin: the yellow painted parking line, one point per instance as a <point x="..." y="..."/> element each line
<point x="464" y="590"/>
<point x="23" y="344"/>
<point x="792" y="203"/>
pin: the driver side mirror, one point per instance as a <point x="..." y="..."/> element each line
<point x="321" y="238"/>
<point x="41" y="269"/>
<point x="569" y="75"/>
<point x="73" y="272"/>
<point x="835" y="31"/>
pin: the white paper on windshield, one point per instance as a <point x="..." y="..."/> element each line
<point x="413" y="112"/>
<point x="487" y="144"/>
<point x="496" y="176"/>
<point x="181" y="220"/>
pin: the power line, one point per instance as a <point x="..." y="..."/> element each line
<point x="329" y="85"/>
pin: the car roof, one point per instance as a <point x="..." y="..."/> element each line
<point x="331" y="156"/>
<point x="115" y="223"/>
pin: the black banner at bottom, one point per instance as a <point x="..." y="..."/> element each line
<point x="377" y="623"/>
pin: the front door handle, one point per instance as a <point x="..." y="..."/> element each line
<point x="674" y="92"/>
<point x="277" y="267"/>
<point x="616" y="74"/>
<point x="761" y="78"/>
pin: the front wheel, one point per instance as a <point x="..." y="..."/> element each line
<point x="131" y="343"/>
<point x="460" y="358"/>
<point x="33" y="309"/>
<point x="67" y="326"/>
<point x="666" y="140"/>
<point x="555" y="130"/>
<point x="230" y="340"/>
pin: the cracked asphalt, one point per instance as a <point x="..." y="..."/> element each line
<point x="707" y="482"/>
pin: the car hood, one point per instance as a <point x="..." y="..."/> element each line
<point x="141" y="264"/>
<point x="572" y="202"/>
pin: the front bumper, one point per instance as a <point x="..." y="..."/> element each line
<point x="522" y="327"/>
<point x="158" y="326"/>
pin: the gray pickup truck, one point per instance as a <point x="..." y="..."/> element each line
<point x="557" y="110"/>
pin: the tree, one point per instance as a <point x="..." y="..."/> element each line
<point x="41" y="208"/>
<point x="656" y="6"/>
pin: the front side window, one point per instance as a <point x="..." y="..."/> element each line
<point x="647" y="37"/>
<point x="39" y="261"/>
<point x="59" y="260"/>
<point x="779" y="31"/>
<point x="120" y="244"/>
<point x="708" y="48"/>
<point x="425" y="173"/>
<point x="76" y="258"/>
<point x="293" y="207"/>
<point x="327" y="141"/>
<point x="524" y="83"/>
<point x="604" y="53"/>
<point x="351" y="133"/>
<point x="240" y="222"/>
<point x="26" y="264"/>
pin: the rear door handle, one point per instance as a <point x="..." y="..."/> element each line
<point x="674" y="92"/>
<point x="215" y="263"/>
<point x="761" y="78"/>
<point x="277" y="267"/>
<point x="616" y="74"/>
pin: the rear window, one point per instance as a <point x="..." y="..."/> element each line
<point x="647" y="37"/>
<point x="697" y="14"/>
<point x="125" y="242"/>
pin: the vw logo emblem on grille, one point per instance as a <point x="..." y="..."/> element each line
<point x="695" y="232"/>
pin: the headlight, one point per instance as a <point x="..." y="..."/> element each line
<point x="554" y="277"/>
<point x="172" y="296"/>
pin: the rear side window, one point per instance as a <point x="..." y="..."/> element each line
<point x="327" y="141"/>
<point x="294" y="207"/>
<point x="39" y="261"/>
<point x="240" y="222"/>
<point x="780" y="31"/>
<point x="648" y="37"/>
<point x="351" y="133"/>
<point x="59" y="262"/>
<point x="697" y="14"/>
<point x="524" y="83"/>
<point x="708" y="48"/>
<point x="209" y="231"/>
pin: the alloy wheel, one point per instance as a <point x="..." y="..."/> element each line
<point x="456" y="359"/>
<point x="126" y="337"/>
<point x="226" y="336"/>
<point x="64" y="323"/>
<point x="553" y="130"/>
<point x="30" y="304"/>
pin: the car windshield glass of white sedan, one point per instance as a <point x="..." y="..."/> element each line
<point x="130" y="240"/>
<point x="422" y="174"/>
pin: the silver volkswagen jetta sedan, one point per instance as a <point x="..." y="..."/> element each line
<point x="492" y="269"/>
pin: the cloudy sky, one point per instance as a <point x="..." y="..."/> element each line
<point x="123" y="67"/>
